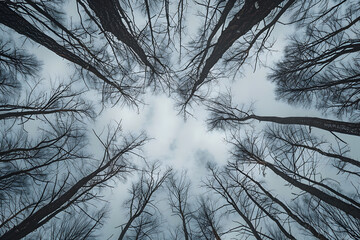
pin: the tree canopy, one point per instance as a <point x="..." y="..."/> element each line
<point x="286" y="177"/>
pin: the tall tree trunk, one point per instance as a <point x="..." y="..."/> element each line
<point x="107" y="12"/>
<point x="40" y="217"/>
<point x="333" y="201"/>
<point x="251" y="14"/>
<point x="322" y="123"/>
<point x="229" y="5"/>
<point x="232" y="202"/>
<point x="16" y="22"/>
<point x="326" y="124"/>
<point x="318" y="150"/>
<point x="35" y="112"/>
<point x="126" y="228"/>
<point x="183" y="220"/>
<point x="287" y="210"/>
<point x="280" y="226"/>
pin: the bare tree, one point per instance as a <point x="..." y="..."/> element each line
<point x="329" y="221"/>
<point x="96" y="61"/>
<point x="26" y="159"/>
<point x="224" y="113"/>
<point x="243" y="200"/>
<point x="207" y="219"/>
<point x="68" y="226"/>
<point x="110" y="13"/>
<point x="61" y="100"/>
<point x="327" y="217"/>
<point x="141" y="202"/>
<point x="146" y="226"/>
<point x="16" y="65"/>
<point x="293" y="154"/>
<point x="271" y="200"/>
<point x="247" y="22"/>
<point x="286" y="138"/>
<point x="180" y="205"/>
<point x="67" y="191"/>
<point x="320" y="67"/>
<point x="290" y="175"/>
<point x="296" y="169"/>
<point x="25" y="162"/>
<point x="144" y="44"/>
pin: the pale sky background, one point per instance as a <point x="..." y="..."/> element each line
<point x="181" y="144"/>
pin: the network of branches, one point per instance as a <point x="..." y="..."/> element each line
<point x="292" y="177"/>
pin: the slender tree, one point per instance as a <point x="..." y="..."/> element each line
<point x="286" y="138"/>
<point x="268" y="197"/>
<point x="63" y="193"/>
<point x="288" y="166"/>
<point x="235" y="23"/>
<point x="141" y="200"/>
<point x="207" y="219"/>
<point x="243" y="200"/>
<point x="179" y="202"/>
<point x="224" y="113"/>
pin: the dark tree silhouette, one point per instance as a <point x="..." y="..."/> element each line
<point x="247" y="150"/>
<point x="15" y="21"/>
<point x="64" y="193"/>
<point x="180" y="205"/>
<point x="287" y="138"/>
<point x="236" y="202"/>
<point x="110" y="14"/>
<point x="61" y="100"/>
<point x="224" y="113"/>
<point x="145" y="45"/>
<point x="146" y="226"/>
<point x="250" y="22"/>
<point x="111" y="64"/>
<point x="141" y="200"/>
<point x="321" y="208"/>
<point x="207" y="219"/>
<point x="329" y="221"/>
<point x="260" y="218"/>
<point x="270" y="200"/>
<point x="16" y="66"/>
<point x="320" y="67"/>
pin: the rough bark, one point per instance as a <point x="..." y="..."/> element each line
<point x="326" y="124"/>
<point x="322" y="123"/>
